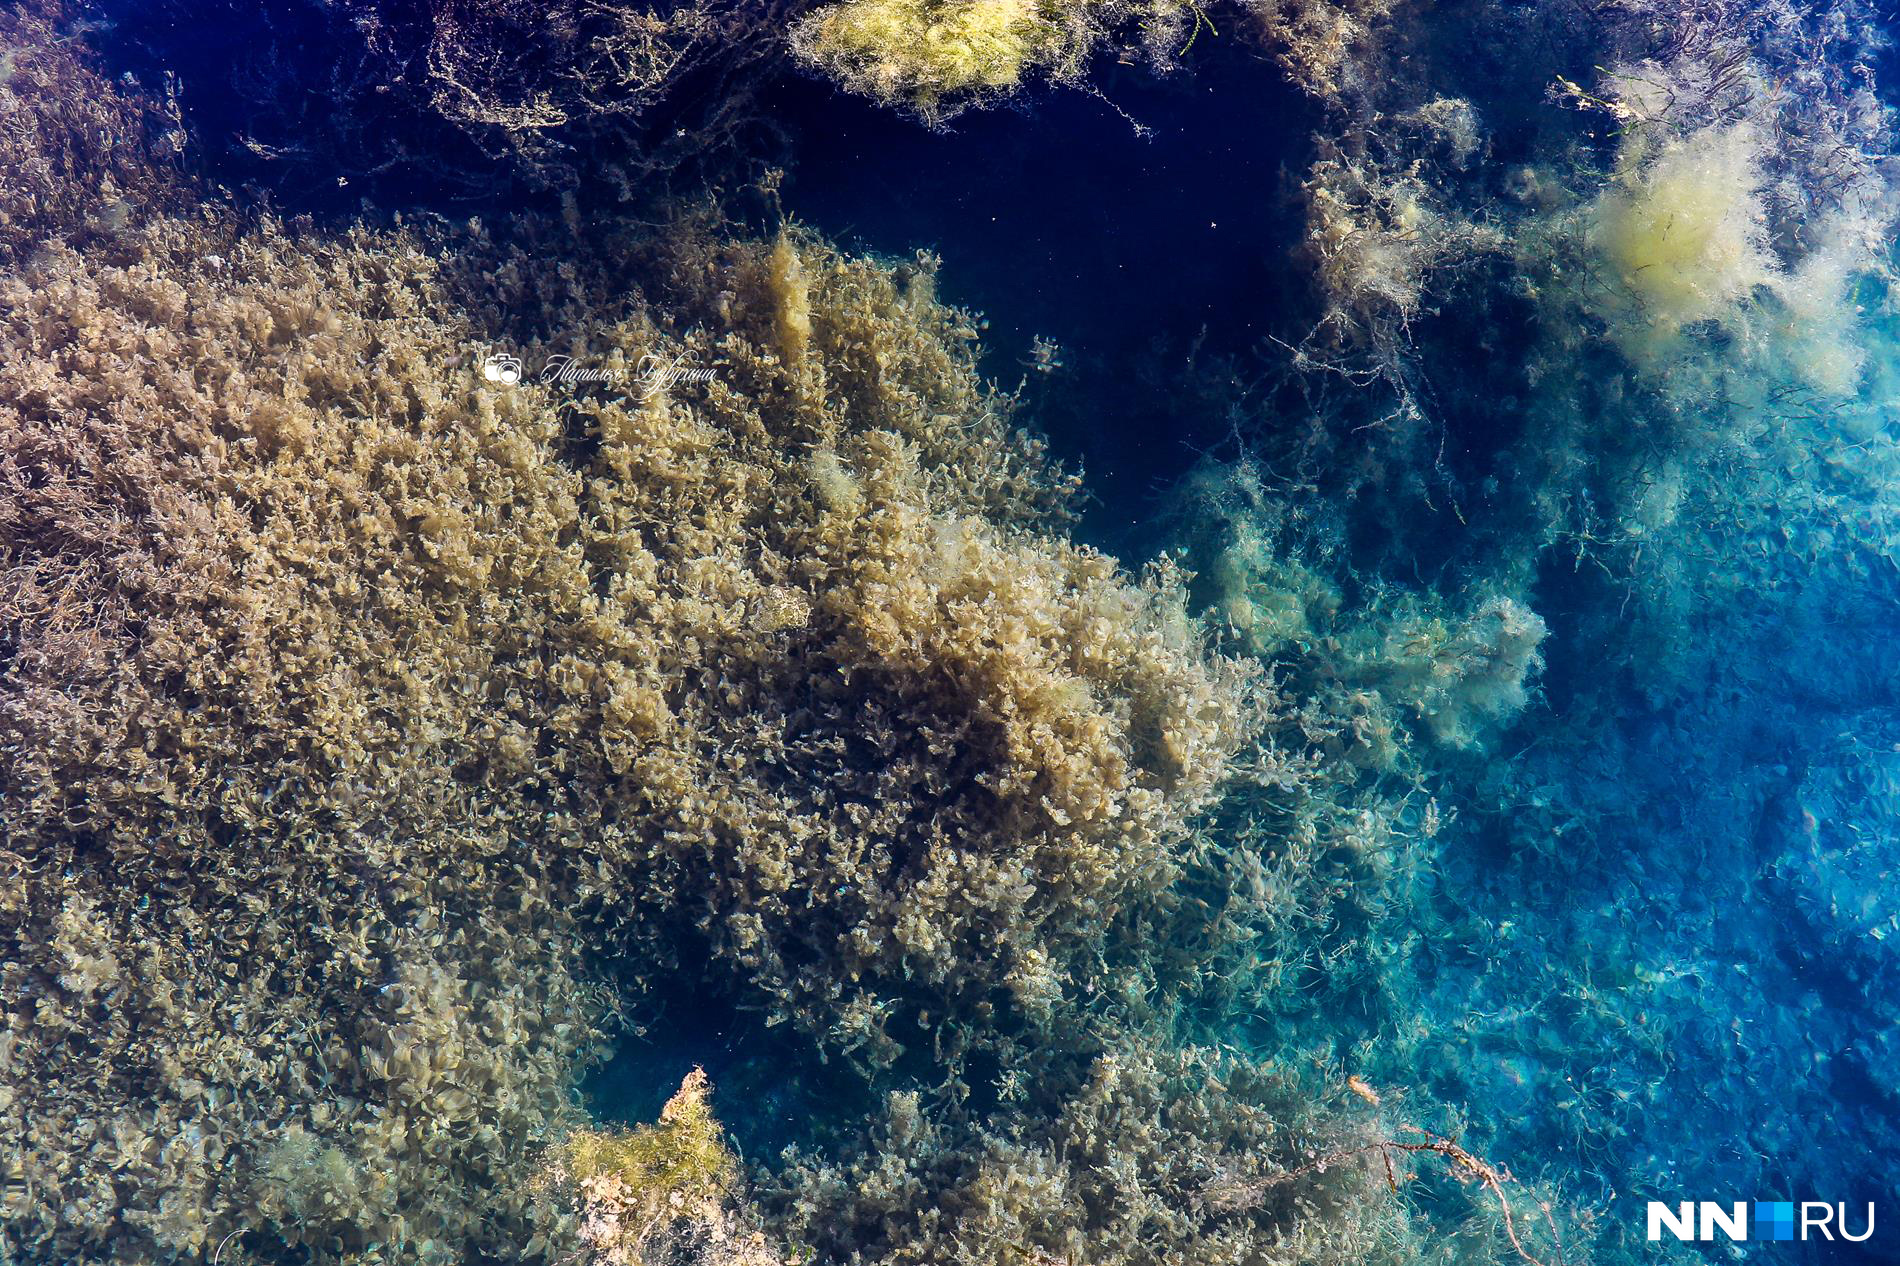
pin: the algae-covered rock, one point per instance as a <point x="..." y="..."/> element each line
<point x="661" y="1193"/>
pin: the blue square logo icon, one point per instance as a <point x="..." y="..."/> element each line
<point x="1774" y="1220"/>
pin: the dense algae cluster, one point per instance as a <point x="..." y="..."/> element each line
<point x="382" y="743"/>
<point x="366" y="726"/>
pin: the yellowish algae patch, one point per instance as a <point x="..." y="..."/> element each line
<point x="1684" y="234"/>
<point x="791" y="292"/>
<point x="927" y="48"/>
<point x="935" y="56"/>
<point x="652" y="1192"/>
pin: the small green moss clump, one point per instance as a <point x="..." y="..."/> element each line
<point x="683" y="1157"/>
<point x="664" y="1192"/>
<point x="926" y="51"/>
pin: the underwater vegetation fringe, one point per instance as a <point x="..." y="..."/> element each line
<point x="1573" y="530"/>
<point x="1605" y="340"/>
<point x="1664" y="234"/>
<point x="462" y="98"/>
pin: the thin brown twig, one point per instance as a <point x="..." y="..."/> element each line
<point x="1462" y="1161"/>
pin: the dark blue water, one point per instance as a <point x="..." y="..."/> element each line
<point x="1148" y="232"/>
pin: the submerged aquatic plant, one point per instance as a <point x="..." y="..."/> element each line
<point x="666" y="1192"/>
<point x="938" y="58"/>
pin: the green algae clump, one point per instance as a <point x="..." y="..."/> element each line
<point x="927" y="50"/>
<point x="661" y="1193"/>
<point x="1685" y="233"/>
<point x="682" y="1157"/>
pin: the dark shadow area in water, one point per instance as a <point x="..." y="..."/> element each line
<point x="282" y="104"/>
<point x="769" y="1089"/>
<point x="1137" y="255"/>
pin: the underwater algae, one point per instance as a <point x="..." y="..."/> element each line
<point x="1473" y="821"/>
